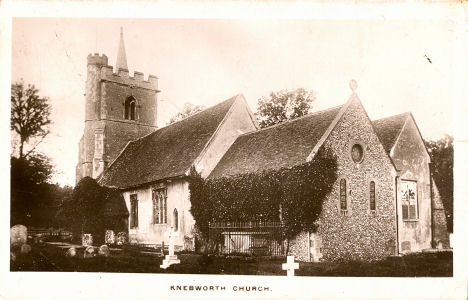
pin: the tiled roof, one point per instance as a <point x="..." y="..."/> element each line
<point x="275" y="147"/>
<point x="168" y="152"/>
<point x="388" y="129"/>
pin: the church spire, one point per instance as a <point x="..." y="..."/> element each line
<point x="121" y="56"/>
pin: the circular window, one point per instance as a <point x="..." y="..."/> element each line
<point x="357" y="153"/>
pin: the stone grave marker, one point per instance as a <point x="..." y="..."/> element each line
<point x="110" y="237"/>
<point x="121" y="238"/>
<point x="25" y="248"/>
<point x="18" y="235"/>
<point x="89" y="252"/>
<point x="71" y="252"/>
<point x="104" y="250"/>
<point x="87" y="240"/>
<point x="171" y="258"/>
<point x="290" y="266"/>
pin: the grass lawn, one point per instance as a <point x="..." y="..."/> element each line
<point x="48" y="257"/>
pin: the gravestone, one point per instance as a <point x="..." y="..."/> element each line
<point x="71" y="252"/>
<point x="110" y="237"/>
<point x="133" y="240"/>
<point x="25" y="249"/>
<point x="171" y="258"/>
<point x="89" y="252"/>
<point x="18" y="235"/>
<point x="87" y="240"/>
<point x="189" y="242"/>
<point x="121" y="238"/>
<point x="104" y="250"/>
<point x="290" y="266"/>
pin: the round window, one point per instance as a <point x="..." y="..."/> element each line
<point x="357" y="153"/>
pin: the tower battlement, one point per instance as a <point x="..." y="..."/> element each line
<point x="96" y="59"/>
<point x="123" y="77"/>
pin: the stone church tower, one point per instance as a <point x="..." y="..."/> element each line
<point x="118" y="109"/>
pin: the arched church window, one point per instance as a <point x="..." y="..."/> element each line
<point x="175" y="220"/>
<point x="130" y="108"/>
<point x="159" y="206"/>
<point x="343" y="202"/>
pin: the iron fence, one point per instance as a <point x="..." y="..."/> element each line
<point x="252" y="238"/>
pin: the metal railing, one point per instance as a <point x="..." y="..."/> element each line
<point x="251" y="238"/>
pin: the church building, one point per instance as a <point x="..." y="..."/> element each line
<point x="383" y="203"/>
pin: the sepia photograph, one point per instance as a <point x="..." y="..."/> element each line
<point x="303" y="148"/>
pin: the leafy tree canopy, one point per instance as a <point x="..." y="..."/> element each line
<point x="188" y="110"/>
<point x="31" y="193"/>
<point x="30" y="115"/>
<point x="284" y="105"/>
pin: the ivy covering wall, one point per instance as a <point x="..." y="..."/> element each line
<point x="293" y="196"/>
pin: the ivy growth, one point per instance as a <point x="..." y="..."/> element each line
<point x="293" y="196"/>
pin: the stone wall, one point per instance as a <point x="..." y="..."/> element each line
<point x="412" y="161"/>
<point x="357" y="233"/>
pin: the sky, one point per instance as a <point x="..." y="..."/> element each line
<point x="400" y="66"/>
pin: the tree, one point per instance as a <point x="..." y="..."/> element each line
<point x="284" y="105"/>
<point x="84" y="210"/>
<point x="441" y="152"/>
<point x="30" y="192"/>
<point x="93" y="209"/>
<point x="188" y="110"/>
<point x="30" y="115"/>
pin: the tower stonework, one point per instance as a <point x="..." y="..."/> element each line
<point x="118" y="109"/>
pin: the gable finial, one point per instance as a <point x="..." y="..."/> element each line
<point x="353" y="85"/>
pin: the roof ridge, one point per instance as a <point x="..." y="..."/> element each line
<point x="200" y="111"/>
<point x="184" y="119"/>
<point x="393" y="116"/>
<point x="293" y="120"/>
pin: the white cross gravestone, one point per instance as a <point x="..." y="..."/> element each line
<point x="171" y="258"/>
<point x="290" y="266"/>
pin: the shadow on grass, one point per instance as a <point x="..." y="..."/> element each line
<point x="50" y="258"/>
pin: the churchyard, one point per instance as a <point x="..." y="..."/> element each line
<point x="57" y="256"/>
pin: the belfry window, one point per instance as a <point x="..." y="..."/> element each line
<point x="130" y="108"/>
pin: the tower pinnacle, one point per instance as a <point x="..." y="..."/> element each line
<point x="121" y="56"/>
